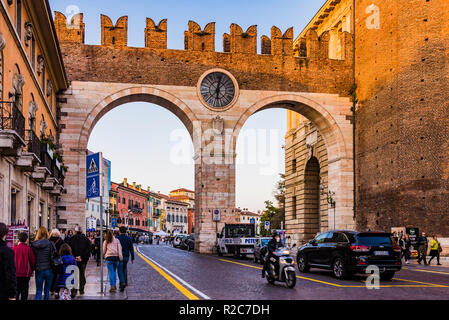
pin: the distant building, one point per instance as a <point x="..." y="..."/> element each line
<point x="245" y="216"/>
<point x="176" y="215"/>
<point x="187" y="196"/>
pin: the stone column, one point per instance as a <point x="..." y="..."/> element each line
<point x="214" y="182"/>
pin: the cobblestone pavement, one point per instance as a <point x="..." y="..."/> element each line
<point x="166" y="273"/>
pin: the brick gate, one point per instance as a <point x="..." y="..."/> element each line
<point x="301" y="79"/>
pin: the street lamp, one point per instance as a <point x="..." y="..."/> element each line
<point x="330" y="199"/>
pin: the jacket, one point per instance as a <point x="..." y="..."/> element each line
<point x="58" y="242"/>
<point x="273" y="245"/>
<point x="43" y="250"/>
<point x="434" y="245"/>
<point x="8" y="280"/>
<point x="127" y="246"/>
<point x="81" y="246"/>
<point x="113" y="249"/>
<point x="63" y="275"/>
<point x="25" y="260"/>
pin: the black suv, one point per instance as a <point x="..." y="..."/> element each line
<point x="350" y="252"/>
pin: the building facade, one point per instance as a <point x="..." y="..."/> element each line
<point x="187" y="196"/>
<point x="401" y="128"/>
<point x="32" y="171"/>
<point x="176" y="213"/>
<point x="245" y="216"/>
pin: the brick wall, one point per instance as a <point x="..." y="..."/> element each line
<point x="403" y="117"/>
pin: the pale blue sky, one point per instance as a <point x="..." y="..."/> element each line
<point x="139" y="138"/>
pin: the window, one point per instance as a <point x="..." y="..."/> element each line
<point x="294" y="165"/>
<point x="321" y="238"/>
<point x="294" y="207"/>
<point x="33" y="53"/>
<point x="13" y="206"/>
<point x="19" y="18"/>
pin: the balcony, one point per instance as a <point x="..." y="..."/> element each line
<point x="29" y="159"/>
<point x="12" y="130"/>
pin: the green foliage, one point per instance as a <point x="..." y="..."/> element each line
<point x="272" y="213"/>
<point x="353" y="93"/>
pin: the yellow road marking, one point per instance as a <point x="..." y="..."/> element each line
<point x="175" y="283"/>
<point x="422" y="284"/>
<point x="429" y="271"/>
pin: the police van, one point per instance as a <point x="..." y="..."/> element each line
<point x="237" y="239"/>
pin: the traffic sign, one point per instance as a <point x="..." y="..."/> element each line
<point x="114" y="222"/>
<point x="267" y="225"/>
<point x="252" y="220"/>
<point x="216" y="215"/>
<point x="93" y="175"/>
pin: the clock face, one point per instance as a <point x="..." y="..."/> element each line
<point x="218" y="90"/>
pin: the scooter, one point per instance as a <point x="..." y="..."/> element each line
<point x="286" y="268"/>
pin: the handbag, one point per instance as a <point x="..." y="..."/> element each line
<point x="440" y="249"/>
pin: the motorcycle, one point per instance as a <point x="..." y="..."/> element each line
<point x="286" y="267"/>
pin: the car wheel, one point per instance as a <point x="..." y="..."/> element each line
<point x="303" y="265"/>
<point x="339" y="269"/>
<point x="386" y="276"/>
<point x="291" y="279"/>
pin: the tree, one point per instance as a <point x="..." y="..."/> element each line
<point x="275" y="215"/>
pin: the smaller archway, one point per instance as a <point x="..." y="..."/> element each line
<point x="311" y="198"/>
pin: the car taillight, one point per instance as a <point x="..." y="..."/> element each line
<point x="360" y="248"/>
<point x="397" y="249"/>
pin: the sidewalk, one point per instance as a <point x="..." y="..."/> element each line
<point x="93" y="286"/>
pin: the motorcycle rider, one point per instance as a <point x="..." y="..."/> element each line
<point x="272" y="246"/>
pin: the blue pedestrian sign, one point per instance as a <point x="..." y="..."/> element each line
<point x="253" y="221"/>
<point x="267" y="225"/>
<point x="114" y="222"/>
<point x="93" y="176"/>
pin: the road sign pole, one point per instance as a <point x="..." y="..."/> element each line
<point x="101" y="242"/>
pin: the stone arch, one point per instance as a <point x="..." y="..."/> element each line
<point x="316" y="112"/>
<point x="137" y="94"/>
<point x="329" y="117"/>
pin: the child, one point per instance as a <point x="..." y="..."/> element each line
<point x="67" y="260"/>
<point x="25" y="263"/>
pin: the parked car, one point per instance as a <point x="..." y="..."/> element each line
<point x="189" y="242"/>
<point x="260" y="250"/>
<point x="351" y="252"/>
<point x="177" y="242"/>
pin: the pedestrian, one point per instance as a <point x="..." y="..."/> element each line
<point x="423" y="245"/>
<point x="435" y="250"/>
<point x="112" y="252"/>
<point x="127" y="252"/>
<point x="25" y="263"/>
<point x="404" y="243"/>
<point x="80" y="245"/>
<point x="69" y="235"/>
<point x="8" y="280"/>
<point x="55" y="237"/>
<point x="97" y="244"/>
<point x="63" y="275"/>
<point x="44" y="251"/>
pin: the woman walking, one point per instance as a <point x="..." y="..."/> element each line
<point x="435" y="249"/>
<point x="56" y="238"/>
<point x="43" y="251"/>
<point x="61" y="283"/>
<point x="112" y="252"/>
<point x="405" y="244"/>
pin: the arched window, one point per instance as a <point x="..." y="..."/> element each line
<point x="19" y="18"/>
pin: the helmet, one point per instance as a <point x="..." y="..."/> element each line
<point x="276" y="233"/>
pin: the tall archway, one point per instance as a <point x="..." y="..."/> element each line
<point x="79" y="120"/>
<point x="327" y="114"/>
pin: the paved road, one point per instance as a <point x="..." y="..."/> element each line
<point x="165" y="273"/>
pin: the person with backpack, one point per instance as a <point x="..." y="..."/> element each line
<point x="63" y="275"/>
<point x="8" y="280"/>
<point x="44" y="251"/>
<point x="56" y="239"/>
<point x="25" y="264"/>
<point x="112" y="252"/>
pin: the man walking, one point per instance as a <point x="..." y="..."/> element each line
<point x="81" y="248"/>
<point x="8" y="281"/>
<point x="423" y="245"/>
<point x="128" y="251"/>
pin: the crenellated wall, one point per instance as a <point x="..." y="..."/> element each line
<point x="275" y="69"/>
<point x="70" y="32"/>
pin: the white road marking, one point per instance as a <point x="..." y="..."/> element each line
<point x="204" y="296"/>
